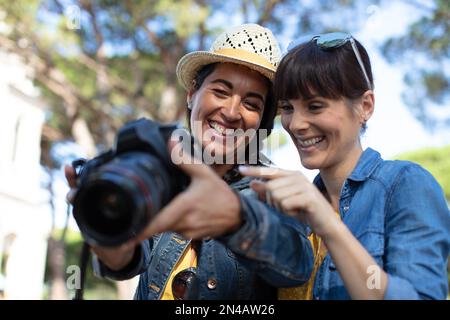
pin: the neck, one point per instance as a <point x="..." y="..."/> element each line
<point x="334" y="176"/>
<point x="221" y="169"/>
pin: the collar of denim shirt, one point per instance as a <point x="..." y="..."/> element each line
<point x="367" y="163"/>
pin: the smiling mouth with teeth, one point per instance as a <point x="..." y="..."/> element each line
<point x="221" y="129"/>
<point x="310" y="142"/>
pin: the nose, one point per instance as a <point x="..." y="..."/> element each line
<point x="231" y="110"/>
<point x="299" y="122"/>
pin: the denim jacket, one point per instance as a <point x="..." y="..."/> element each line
<point x="269" y="250"/>
<point x="398" y="212"/>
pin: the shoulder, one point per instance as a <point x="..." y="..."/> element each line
<point x="395" y="173"/>
<point x="409" y="185"/>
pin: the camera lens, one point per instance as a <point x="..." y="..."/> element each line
<point x="108" y="209"/>
<point x="112" y="206"/>
<point x="118" y="200"/>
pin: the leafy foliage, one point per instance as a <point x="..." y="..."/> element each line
<point x="426" y="48"/>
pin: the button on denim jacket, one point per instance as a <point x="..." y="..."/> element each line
<point x="269" y="250"/>
<point x="398" y="212"/>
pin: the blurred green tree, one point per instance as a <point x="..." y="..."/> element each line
<point x="101" y="63"/>
<point x="426" y="49"/>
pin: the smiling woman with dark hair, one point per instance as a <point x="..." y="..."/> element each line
<point x="380" y="229"/>
<point x="216" y="240"/>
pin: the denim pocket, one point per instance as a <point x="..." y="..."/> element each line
<point x="373" y="241"/>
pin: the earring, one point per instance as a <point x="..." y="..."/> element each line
<point x="364" y="124"/>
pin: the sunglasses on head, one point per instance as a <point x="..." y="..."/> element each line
<point x="185" y="285"/>
<point x="332" y="40"/>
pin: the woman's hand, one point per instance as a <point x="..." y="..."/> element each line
<point x="292" y="193"/>
<point x="71" y="178"/>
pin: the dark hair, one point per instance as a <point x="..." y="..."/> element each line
<point x="270" y="109"/>
<point x="333" y="73"/>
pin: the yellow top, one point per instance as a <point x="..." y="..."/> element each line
<point x="305" y="291"/>
<point x="187" y="260"/>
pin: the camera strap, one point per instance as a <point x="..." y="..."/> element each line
<point x="83" y="266"/>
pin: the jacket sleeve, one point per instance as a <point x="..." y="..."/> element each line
<point x="137" y="265"/>
<point x="417" y="237"/>
<point x="271" y="243"/>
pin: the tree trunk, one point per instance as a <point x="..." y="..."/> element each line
<point x="83" y="137"/>
<point x="56" y="261"/>
<point x="168" y="107"/>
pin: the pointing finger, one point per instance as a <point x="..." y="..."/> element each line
<point x="260" y="188"/>
<point x="263" y="172"/>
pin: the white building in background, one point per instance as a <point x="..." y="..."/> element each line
<point x="24" y="212"/>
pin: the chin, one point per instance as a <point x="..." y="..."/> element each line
<point x="216" y="153"/>
<point x="309" y="166"/>
<point x="309" y="163"/>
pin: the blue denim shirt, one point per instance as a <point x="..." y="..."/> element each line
<point x="269" y="250"/>
<point x="398" y="212"/>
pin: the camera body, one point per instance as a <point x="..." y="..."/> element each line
<point x="121" y="190"/>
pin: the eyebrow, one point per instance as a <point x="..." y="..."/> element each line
<point x="223" y="81"/>
<point x="299" y="98"/>
<point x="316" y="98"/>
<point x="230" y="86"/>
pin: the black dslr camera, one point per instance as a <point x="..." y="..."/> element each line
<point x="121" y="190"/>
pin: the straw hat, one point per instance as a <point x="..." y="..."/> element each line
<point x="249" y="44"/>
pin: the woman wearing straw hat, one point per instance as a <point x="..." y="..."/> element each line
<point x="254" y="248"/>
